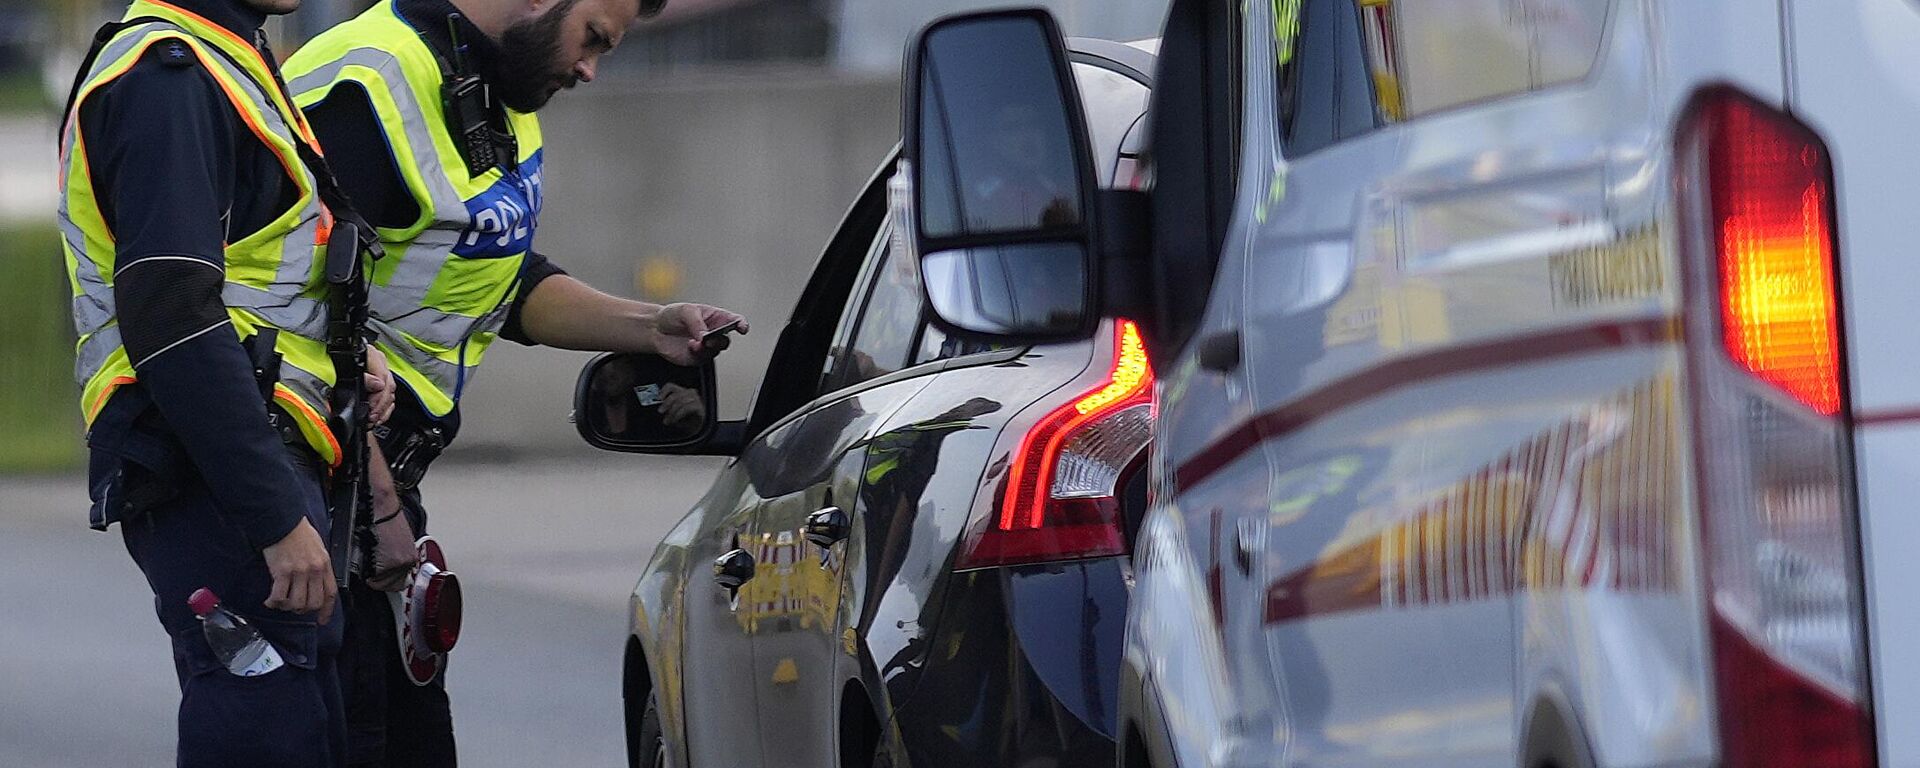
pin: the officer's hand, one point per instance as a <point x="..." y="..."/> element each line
<point x="680" y="327"/>
<point x="379" y="382"/>
<point x="302" y="573"/>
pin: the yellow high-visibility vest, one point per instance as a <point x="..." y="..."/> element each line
<point x="273" y="276"/>
<point x="441" y="295"/>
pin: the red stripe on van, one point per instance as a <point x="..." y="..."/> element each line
<point x="1366" y="384"/>
<point x="1893" y="415"/>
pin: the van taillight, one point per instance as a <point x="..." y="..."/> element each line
<point x="1771" y="203"/>
<point x="1064" y="482"/>
<point x="1776" y="501"/>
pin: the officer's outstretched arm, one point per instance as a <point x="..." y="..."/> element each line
<point x="168" y="169"/>
<point x="564" y="312"/>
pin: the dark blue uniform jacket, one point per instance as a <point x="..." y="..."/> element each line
<point x="178" y="175"/>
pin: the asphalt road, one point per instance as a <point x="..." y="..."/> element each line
<point x="547" y="553"/>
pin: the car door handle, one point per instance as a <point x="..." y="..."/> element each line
<point x="827" y="527"/>
<point x="1219" y="351"/>
<point x="733" y="570"/>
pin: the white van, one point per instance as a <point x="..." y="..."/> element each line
<point x="1539" y="382"/>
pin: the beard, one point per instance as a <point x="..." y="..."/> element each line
<point x="274" y="7"/>
<point x="527" y="74"/>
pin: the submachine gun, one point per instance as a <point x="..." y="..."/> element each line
<point x="351" y="246"/>
<point x="350" y="503"/>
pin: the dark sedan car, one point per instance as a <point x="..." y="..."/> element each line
<point x="919" y="554"/>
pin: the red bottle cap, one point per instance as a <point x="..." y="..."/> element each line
<point x="203" y="601"/>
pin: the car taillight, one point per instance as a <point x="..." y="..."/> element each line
<point x="1776" y="492"/>
<point x="1064" y="482"/>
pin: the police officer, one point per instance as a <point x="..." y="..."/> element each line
<point x="427" y="107"/>
<point x="191" y="222"/>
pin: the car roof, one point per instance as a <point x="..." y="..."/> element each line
<point x="1129" y="58"/>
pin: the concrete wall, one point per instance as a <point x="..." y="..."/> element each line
<point x="721" y="189"/>
<point x="30" y="178"/>
<point x="870" y="34"/>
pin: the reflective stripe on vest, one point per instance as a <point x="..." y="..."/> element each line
<point x="440" y="297"/>
<point x="272" y="276"/>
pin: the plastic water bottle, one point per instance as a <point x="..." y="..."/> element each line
<point x="235" y="642"/>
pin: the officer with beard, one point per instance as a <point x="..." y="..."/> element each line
<point x="426" y="109"/>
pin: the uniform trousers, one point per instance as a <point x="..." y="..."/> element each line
<point x="391" y="721"/>
<point x="293" y="717"/>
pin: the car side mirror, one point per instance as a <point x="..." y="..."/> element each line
<point x="642" y="403"/>
<point x="997" y="180"/>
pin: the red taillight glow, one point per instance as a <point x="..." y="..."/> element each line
<point x="1771" y="212"/>
<point x="1778" y="522"/>
<point x="1130" y="382"/>
<point x="1037" y="521"/>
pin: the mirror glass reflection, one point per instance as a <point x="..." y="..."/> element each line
<point x="996" y="147"/>
<point x="646" y="400"/>
<point x="1035" y="288"/>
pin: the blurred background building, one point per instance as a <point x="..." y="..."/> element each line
<point x="710" y="161"/>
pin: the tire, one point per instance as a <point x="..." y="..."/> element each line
<point x="860" y="743"/>
<point x="1553" y="742"/>
<point x="649" y="749"/>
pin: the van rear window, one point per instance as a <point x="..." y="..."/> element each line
<point x="1347" y="66"/>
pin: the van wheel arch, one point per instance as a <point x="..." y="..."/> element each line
<point x="1144" y="741"/>
<point x="1133" y="749"/>
<point x="1554" y="738"/>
